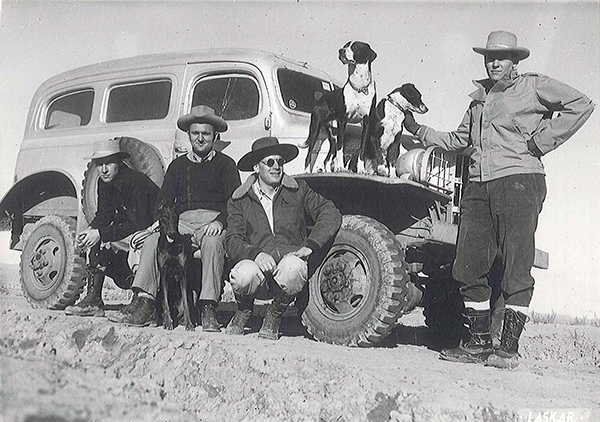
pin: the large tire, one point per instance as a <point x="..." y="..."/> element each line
<point x="51" y="268"/>
<point x="361" y="288"/>
<point x="143" y="158"/>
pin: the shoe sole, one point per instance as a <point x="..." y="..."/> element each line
<point x="501" y="362"/>
<point x="211" y="330"/>
<point x="268" y="336"/>
<point x="479" y="360"/>
<point x="100" y="313"/>
<point x="119" y="320"/>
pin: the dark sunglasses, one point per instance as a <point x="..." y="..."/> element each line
<point x="271" y="162"/>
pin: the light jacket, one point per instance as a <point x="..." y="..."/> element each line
<point x="504" y="116"/>
<point x="294" y="206"/>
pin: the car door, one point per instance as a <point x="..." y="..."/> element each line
<point x="237" y="92"/>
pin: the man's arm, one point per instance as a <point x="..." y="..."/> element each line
<point x="142" y="193"/>
<point x="324" y="213"/>
<point x="573" y="108"/>
<point x="105" y="212"/>
<point x="237" y="244"/>
<point x="168" y="191"/>
<point x="231" y="181"/>
<point x="450" y="141"/>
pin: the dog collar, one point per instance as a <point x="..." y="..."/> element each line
<point x="395" y="104"/>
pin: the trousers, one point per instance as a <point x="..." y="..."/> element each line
<point x="113" y="258"/>
<point x="498" y="222"/>
<point x="291" y="274"/>
<point x="212" y="255"/>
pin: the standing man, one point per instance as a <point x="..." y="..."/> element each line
<point x="512" y="121"/>
<point x="199" y="185"/>
<point x="126" y="200"/>
<point x="268" y="237"/>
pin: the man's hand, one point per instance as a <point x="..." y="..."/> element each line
<point x="409" y="123"/>
<point x="214" y="228"/>
<point x="533" y="148"/>
<point x="302" y="253"/>
<point x="265" y="262"/>
<point x="88" y="238"/>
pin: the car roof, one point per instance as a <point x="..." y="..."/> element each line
<point x="261" y="59"/>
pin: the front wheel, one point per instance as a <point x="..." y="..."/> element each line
<point x="51" y="268"/>
<point x="361" y="288"/>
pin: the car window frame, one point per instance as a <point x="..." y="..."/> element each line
<point x="131" y="82"/>
<point x="224" y="74"/>
<point x="43" y="116"/>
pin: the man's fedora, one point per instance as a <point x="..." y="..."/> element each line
<point x="503" y="41"/>
<point x="263" y="147"/>
<point x="107" y="148"/>
<point x="202" y="114"/>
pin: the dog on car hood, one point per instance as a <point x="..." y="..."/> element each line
<point x="353" y="103"/>
<point x="380" y="151"/>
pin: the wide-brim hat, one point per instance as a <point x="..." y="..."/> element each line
<point x="202" y="114"/>
<point x="503" y="41"/>
<point x="263" y="147"/>
<point x="107" y="148"/>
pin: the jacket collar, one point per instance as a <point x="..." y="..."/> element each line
<point x="486" y="85"/>
<point x="287" y="182"/>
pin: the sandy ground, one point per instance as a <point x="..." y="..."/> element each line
<point x="60" y="368"/>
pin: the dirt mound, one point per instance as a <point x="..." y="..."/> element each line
<point x="70" y="369"/>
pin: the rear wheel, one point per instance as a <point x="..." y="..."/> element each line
<point x="51" y="268"/>
<point x="361" y="288"/>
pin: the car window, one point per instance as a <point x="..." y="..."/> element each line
<point x="72" y="109"/>
<point x="233" y="97"/>
<point x="300" y="91"/>
<point x="147" y="100"/>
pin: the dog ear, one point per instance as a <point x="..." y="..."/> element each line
<point x="380" y="110"/>
<point x="372" y="55"/>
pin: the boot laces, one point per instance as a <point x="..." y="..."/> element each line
<point x="510" y="331"/>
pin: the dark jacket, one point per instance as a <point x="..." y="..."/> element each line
<point x="503" y="118"/>
<point x="294" y="206"/>
<point x="125" y="205"/>
<point x="206" y="185"/>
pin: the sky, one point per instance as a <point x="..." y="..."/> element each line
<point x="426" y="43"/>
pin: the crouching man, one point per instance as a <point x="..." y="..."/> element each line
<point x="126" y="200"/>
<point x="267" y="234"/>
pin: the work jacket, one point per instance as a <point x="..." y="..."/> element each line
<point x="504" y="116"/>
<point x="125" y="205"/>
<point x="295" y="207"/>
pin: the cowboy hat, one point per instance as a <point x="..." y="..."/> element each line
<point x="503" y="41"/>
<point x="263" y="147"/>
<point x="107" y="148"/>
<point x="202" y="114"/>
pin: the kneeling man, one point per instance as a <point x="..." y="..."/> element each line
<point x="268" y="236"/>
<point x="126" y="200"/>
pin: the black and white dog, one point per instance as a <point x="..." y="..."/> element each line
<point x="353" y="103"/>
<point x="379" y="152"/>
<point x="175" y="262"/>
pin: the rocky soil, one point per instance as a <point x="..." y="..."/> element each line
<point x="60" y="368"/>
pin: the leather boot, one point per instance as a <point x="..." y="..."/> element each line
<point x="91" y="304"/>
<point x="507" y="355"/>
<point x="209" y="317"/>
<point x="140" y="313"/>
<point x="272" y="320"/>
<point x="245" y="307"/>
<point x="478" y="343"/>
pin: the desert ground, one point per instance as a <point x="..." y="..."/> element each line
<point x="60" y="368"/>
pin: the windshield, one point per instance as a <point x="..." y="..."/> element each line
<point x="300" y="91"/>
